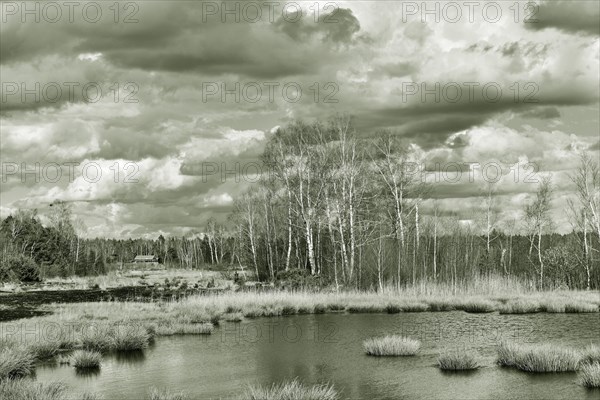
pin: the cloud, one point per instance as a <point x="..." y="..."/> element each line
<point x="569" y="16"/>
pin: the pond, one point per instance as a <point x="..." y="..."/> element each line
<point x="328" y="348"/>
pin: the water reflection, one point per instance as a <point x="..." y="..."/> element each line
<point x="130" y="357"/>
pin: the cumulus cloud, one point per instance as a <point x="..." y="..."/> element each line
<point x="158" y="113"/>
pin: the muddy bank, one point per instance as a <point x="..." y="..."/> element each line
<point x="28" y="304"/>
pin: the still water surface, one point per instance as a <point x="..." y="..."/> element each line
<point x="319" y="348"/>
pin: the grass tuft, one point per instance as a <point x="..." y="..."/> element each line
<point x="477" y="306"/>
<point x="364" y="308"/>
<point x="165" y="394"/>
<point x="85" y="359"/>
<point x="580" y="307"/>
<point x="414" y="307"/>
<point x="589" y="376"/>
<point x="538" y="357"/>
<point x="591" y="354"/>
<point x="293" y="390"/>
<point x="393" y="308"/>
<point x="130" y="338"/>
<point x="458" y="360"/>
<point x="16" y="362"/>
<point x="391" y="346"/>
<point x="520" y="306"/>
<point x="26" y="389"/>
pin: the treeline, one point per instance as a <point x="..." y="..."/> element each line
<point x="348" y="212"/>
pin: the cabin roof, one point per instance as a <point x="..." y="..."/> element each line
<point x="145" y="257"/>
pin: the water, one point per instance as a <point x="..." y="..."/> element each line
<point x="319" y="348"/>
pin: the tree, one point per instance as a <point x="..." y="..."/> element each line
<point x="538" y="221"/>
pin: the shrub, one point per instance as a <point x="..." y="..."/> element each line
<point x="293" y="390"/>
<point x="457" y="360"/>
<point x="22" y="268"/>
<point x="391" y="346"/>
<point x="84" y="359"/>
<point x="589" y="376"/>
<point x="538" y="357"/>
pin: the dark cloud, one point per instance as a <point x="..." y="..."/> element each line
<point x="180" y="37"/>
<point x="337" y="26"/>
<point x="569" y="16"/>
<point x="541" y="113"/>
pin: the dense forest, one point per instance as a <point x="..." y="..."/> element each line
<point x="344" y="211"/>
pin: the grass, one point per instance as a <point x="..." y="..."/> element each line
<point x="414" y="307"/>
<point x="589" y="376"/>
<point x="458" y="360"/>
<point x="26" y="389"/>
<point x="293" y="390"/>
<point x="233" y="317"/>
<point x="170" y="329"/>
<point x="476" y="305"/>
<point x="365" y="308"/>
<point x="110" y="337"/>
<point x="130" y="338"/>
<point x="520" y="306"/>
<point x="591" y="354"/>
<point x="85" y="359"/>
<point x="15" y="362"/>
<point x="391" y="346"/>
<point x="538" y="357"/>
<point x="165" y="394"/>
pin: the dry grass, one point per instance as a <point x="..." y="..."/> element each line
<point x="16" y="361"/>
<point x="591" y="354"/>
<point x="165" y="394"/>
<point x="26" y="389"/>
<point x="293" y="390"/>
<point x="85" y="359"/>
<point x="589" y="376"/>
<point x="520" y="306"/>
<point x="391" y="346"/>
<point x="458" y="360"/>
<point x="538" y="357"/>
<point x="170" y="329"/>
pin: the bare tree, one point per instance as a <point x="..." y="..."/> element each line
<point x="538" y="221"/>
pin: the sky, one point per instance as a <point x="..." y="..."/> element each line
<point x="150" y="117"/>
